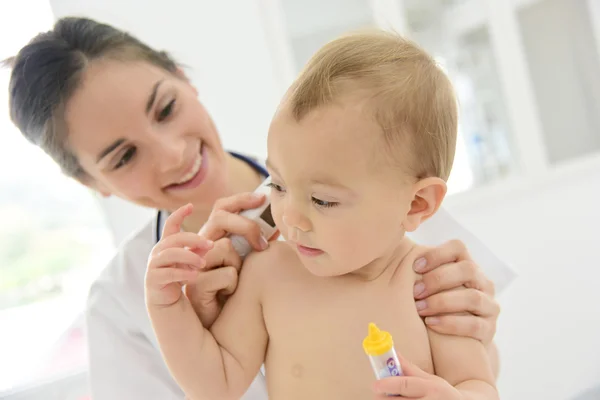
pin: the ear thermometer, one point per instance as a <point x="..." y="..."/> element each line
<point x="262" y="216"/>
<point x="379" y="346"/>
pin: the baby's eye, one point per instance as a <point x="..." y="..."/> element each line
<point x="276" y="187"/>
<point x="324" y="203"/>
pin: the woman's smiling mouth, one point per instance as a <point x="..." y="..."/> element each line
<point x="195" y="174"/>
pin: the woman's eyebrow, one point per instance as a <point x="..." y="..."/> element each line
<point x="109" y="149"/>
<point x="152" y="97"/>
<point x="118" y="142"/>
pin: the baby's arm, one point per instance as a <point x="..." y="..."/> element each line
<point x="221" y="363"/>
<point x="464" y="363"/>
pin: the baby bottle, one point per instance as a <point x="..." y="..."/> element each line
<point x="378" y="345"/>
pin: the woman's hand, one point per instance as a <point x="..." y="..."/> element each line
<point x="471" y="312"/>
<point x="415" y="384"/>
<point x="219" y="278"/>
<point x="225" y="219"/>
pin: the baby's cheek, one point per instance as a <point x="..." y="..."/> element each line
<point x="279" y="224"/>
<point x="368" y="242"/>
<point x="350" y="244"/>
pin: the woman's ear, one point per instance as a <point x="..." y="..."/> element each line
<point x="427" y="199"/>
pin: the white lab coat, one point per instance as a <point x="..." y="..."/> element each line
<point x="125" y="362"/>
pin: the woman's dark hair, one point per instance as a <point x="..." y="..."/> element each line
<point x="48" y="70"/>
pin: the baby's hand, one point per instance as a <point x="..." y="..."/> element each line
<point x="415" y="384"/>
<point x="174" y="261"/>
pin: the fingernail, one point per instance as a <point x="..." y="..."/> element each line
<point x="421" y="305"/>
<point x="263" y="243"/>
<point x="419" y="288"/>
<point x="432" y="320"/>
<point x="420" y="264"/>
<point x="258" y="195"/>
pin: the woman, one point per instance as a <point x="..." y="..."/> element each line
<point x="122" y="119"/>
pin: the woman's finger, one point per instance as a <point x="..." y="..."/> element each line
<point x="174" y="221"/>
<point x="482" y="329"/>
<point x="221" y="254"/>
<point x="414" y="382"/>
<point x="459" y="301"/>
<point x="486" y="285"/>
<point x="222" y="223"/>
<point x="192" y="241"/>
<point x="275" y="236"/>
<point x="406" y="386"/>
<point x="449" y="276"/>
<point x="411" y="369"/>
<point x="173" y="256"/>
<point x="449" y="252"/>
<point x="239" y="202"/>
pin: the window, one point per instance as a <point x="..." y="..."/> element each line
<point x="484" y="151"/>
<point x="312" y="23"/>
<point x="563" y="61"/>
<point x="53" y="242"/>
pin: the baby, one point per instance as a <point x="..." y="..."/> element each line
<point x="359" y="153"/>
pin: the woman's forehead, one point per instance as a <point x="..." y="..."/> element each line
<point x="109" y="82"/>
<point x="110" y="100"/>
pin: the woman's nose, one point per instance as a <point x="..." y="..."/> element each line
<point x="170" y="153"/>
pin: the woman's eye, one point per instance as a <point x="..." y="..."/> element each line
<point x="127" y="156"/>
<point x="323" y="203"/>
<point x="165" y="112"/>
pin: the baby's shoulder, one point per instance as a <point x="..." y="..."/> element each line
<point x="405" y="271"/>
<point x="278" y="251"/>
<point x="279" y="258"/>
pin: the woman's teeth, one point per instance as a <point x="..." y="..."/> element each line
<point x="193" y="171"/>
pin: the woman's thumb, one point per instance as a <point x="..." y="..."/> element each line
<point x="410" y="369"/>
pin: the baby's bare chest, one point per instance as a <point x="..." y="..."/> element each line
<point x="316" y="328"/>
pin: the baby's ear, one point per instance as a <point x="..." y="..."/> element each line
<point x="427" y="198"/>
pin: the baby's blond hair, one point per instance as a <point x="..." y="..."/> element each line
<point x="408" y="94"/>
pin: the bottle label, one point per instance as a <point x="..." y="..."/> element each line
<point x="392" y="367"/>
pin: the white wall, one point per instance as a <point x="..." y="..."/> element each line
<point x="564" y="67"/>
<point x="550" y="322"/>
<point x="223" y="44"/>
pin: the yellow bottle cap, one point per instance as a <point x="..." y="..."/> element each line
<point x="377" y="342"/>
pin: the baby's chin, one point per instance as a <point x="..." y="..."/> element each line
<point x="324" y="268"/>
